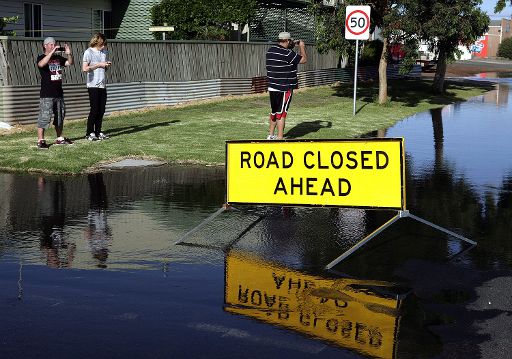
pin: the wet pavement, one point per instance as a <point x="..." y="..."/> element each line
<point x="89" y="268"/>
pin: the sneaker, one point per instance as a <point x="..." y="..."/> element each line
<point x="92" y="137"/>
<point x="102" y="136"/>
<point x="271" y="137"/>
<point x="42" y="145"/>
<point x="63" y="141"/>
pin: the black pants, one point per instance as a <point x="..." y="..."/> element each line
<point x="98" y="101"/>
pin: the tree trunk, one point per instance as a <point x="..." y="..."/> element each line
<point x="383" y="79"/>
<point x="437" y="126"/>
<point x="438" y="85"/>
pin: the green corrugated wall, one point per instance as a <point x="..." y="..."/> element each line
<point x="269" y="21"/>
<point x="136" y="22"/>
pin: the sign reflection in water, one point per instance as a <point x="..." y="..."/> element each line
<point x="354" y="314"/>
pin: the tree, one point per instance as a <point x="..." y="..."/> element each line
<point x="446" y="24"/>
<point x="331" y="32"/>
<point x="4" y="21"/>
<point x="500" y="5"/>
<point x="505" y="48"/>
<point x="384" y="15"/>
<point x="202" y="19"/>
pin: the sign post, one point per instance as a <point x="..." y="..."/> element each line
<point x="357" y="27"/>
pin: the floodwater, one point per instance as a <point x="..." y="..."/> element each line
<point x="89" y="267"/>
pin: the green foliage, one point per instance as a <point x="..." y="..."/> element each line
<point x="202" y="19"/>
<point x="443" y="24"/>
<point x="500" y="5"/>
<point x="505" y="49"/>
<point x="371" y="53"/>
<point x="4" y="21"/>
<point x="330" y="29"/>
<point x="459" y="22"/>
<point x="329" y="34"/>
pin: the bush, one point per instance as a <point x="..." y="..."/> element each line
<point x="4" y="21"/>
<point x="505" y="48"/>
<point x="371" y="53"/>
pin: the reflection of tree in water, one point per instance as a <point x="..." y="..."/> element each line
<point x="437" y="194"/>
<point x="97" y="232"/>
<point x="52" y="198"/>
<point x="437" y="126"/>
<point x="454" y="202"/>
<point x="496" y="221"/>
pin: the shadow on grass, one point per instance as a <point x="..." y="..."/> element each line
<point x="304" y="128"/>
<point x="360" y="108"/>
<point x="137" y="128"/>
<point x="409" y="92"/>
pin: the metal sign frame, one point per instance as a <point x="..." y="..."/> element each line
<point x="401" y="213"/>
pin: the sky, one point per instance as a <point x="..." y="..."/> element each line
<point x="488" y="6"/>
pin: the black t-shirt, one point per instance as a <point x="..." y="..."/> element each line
<point x="51" y="76"/>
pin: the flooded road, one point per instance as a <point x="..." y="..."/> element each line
<point x="89" y="268"/>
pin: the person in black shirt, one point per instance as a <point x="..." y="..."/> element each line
<point x="51" y="100"/>
<point x="281" y="63"/>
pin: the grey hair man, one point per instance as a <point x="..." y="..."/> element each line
<point x="51" y="101"/>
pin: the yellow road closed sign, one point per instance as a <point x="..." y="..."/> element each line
<point x="364" y="173"/>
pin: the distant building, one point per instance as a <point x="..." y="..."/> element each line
<point x="487" y="45"/>
<point x="130" y="19"/>
<point x="70" y="20"/>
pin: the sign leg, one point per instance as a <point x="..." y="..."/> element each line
<point x="364" y="241"/>
<point x="439" y="228"/>
<point x="202" y="224"/>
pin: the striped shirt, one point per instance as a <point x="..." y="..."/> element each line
<point x="282" y="68"/>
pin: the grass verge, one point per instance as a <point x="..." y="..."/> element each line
<point x="195" y="133"/>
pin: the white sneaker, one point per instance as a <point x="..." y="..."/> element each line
<point x="92" y="137"/>
<point x="102" y="136"/>
<point x="271" y="137"/>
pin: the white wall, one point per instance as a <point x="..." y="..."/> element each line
<point x="466" y="55"/>
<point x="61" y="19"/>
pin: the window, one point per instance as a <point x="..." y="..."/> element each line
<point x="33" y="20"/>
<point x="107" y="24"/>
<point x="102" y="22"/>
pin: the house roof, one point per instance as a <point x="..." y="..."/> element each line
<point x="495" y="23"/>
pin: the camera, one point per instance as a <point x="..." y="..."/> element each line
<point x="293" y="43"/>
<point x="60" y="48"/>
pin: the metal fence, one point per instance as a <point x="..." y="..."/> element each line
<point x="152" y="73"/>
<point x="152" y="61"/>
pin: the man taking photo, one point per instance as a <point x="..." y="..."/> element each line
<point x="281" y="63"/>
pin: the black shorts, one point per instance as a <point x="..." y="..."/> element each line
<point x="280" y="102"/>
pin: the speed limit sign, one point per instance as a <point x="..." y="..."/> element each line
<point x="357" y="22"/>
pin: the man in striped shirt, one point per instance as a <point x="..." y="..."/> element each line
<point x="281" y="64"/>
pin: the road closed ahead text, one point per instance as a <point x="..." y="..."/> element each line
<point x="353" y="173"/>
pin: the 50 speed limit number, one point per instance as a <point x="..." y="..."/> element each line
<point x="357" y="23"/>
